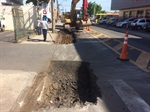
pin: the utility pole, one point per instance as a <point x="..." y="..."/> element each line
<point x="57" y="10"/>
<point x="37" y="8"/>
<point x="53" y="19"/>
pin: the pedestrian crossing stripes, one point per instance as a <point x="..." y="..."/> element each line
<point x="131" y="98"/>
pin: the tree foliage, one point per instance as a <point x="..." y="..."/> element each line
<point x="94" y="8"/>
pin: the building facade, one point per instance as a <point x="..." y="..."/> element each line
<point x="11" y="2"/>
<point x="132" y="8"/>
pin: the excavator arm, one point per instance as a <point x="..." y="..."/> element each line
<point x="73" y="20"/>
<point x="84" y="9"/>
<point x="73" y="6"/>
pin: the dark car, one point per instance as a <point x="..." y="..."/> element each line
<point x="147" y="27"/>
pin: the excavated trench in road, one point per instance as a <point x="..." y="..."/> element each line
<point x="64" y="84"/>
<point x="65" y="37"/>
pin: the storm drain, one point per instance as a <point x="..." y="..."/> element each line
<point x="64" y="84"/>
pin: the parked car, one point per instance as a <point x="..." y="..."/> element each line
<point x="114" y="21"/>
<point x="140" y="23"/>
<point x="147" y="27"/>
<point x="2" y="23"/>
<point x="111" y="21"/>
<point x="103" y="20"/>
<point x="125" y="22"/>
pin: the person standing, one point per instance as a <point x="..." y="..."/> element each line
<point x="45" y="28"/>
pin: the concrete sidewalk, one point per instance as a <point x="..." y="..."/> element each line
<point x="20" y="64"/>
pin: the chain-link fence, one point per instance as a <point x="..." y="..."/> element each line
<point x="19" y="25"/>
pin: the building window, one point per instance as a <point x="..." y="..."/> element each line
<point x="126" y="14"/>
<point x="132" y="14"/>
<point x="140" y="13"/>
<point x="148" y="13"/>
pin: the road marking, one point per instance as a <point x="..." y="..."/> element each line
<point x="131" y="98"/>
<point x="119" y="46"/>
<point x="97" y="34"/>
<point x="106" y="38"/>
<point x="143" y="59"/>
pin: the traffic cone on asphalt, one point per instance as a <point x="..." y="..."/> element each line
<point x="124" y="53"/>
<point x="88" y="28"/>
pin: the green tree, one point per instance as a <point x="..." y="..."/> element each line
<point x="94" y="8"/>
<point x="103" y="11"/>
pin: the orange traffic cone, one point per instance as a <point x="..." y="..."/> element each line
<point x="124" y="54"/>
<point x="88" y="28"/>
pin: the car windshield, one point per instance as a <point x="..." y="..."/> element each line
<point x="126" y="20"/>
<point x="132" y="19"/>
<point x="122" y="19"/>
<point x="135" y="21"/>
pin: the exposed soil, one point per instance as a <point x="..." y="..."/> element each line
<point x="65" y="37"/>
<point x="72" y="83"/>
<point x="64" y="84"/>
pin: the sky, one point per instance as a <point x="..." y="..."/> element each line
<point x="65" y="4"/>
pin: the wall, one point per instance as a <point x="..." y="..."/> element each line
<point x="126" y="4"/>
<point x="136" y="12"/>
<point x="30" y="16"/>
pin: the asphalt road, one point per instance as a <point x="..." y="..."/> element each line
<point x="123" y="85"/>
<point x="138" y="50"/>
<point x="138" y="39"/>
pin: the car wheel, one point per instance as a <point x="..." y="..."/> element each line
<point x="139" y="27"/>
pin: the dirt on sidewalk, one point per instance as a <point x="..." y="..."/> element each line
<point x="64" y="84"/>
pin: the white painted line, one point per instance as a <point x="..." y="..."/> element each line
<point x="131" y="98"/>
<point x="118" y="47"/>
<point x="143" y="59"/>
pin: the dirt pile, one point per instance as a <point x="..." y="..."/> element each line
<point x="64" y="84"/>
<point x="73" y="83"/>
<point x="64" y="38"/>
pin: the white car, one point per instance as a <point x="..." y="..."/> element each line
<point x="2" y="23"/>
<point x="140" y="23"/>
<point x="125" y="22"/>
<point x="103" y="21"/>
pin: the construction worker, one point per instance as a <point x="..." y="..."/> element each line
<point x="44" y="25"/>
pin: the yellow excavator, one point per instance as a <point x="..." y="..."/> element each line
<point x="77" y="18"/>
